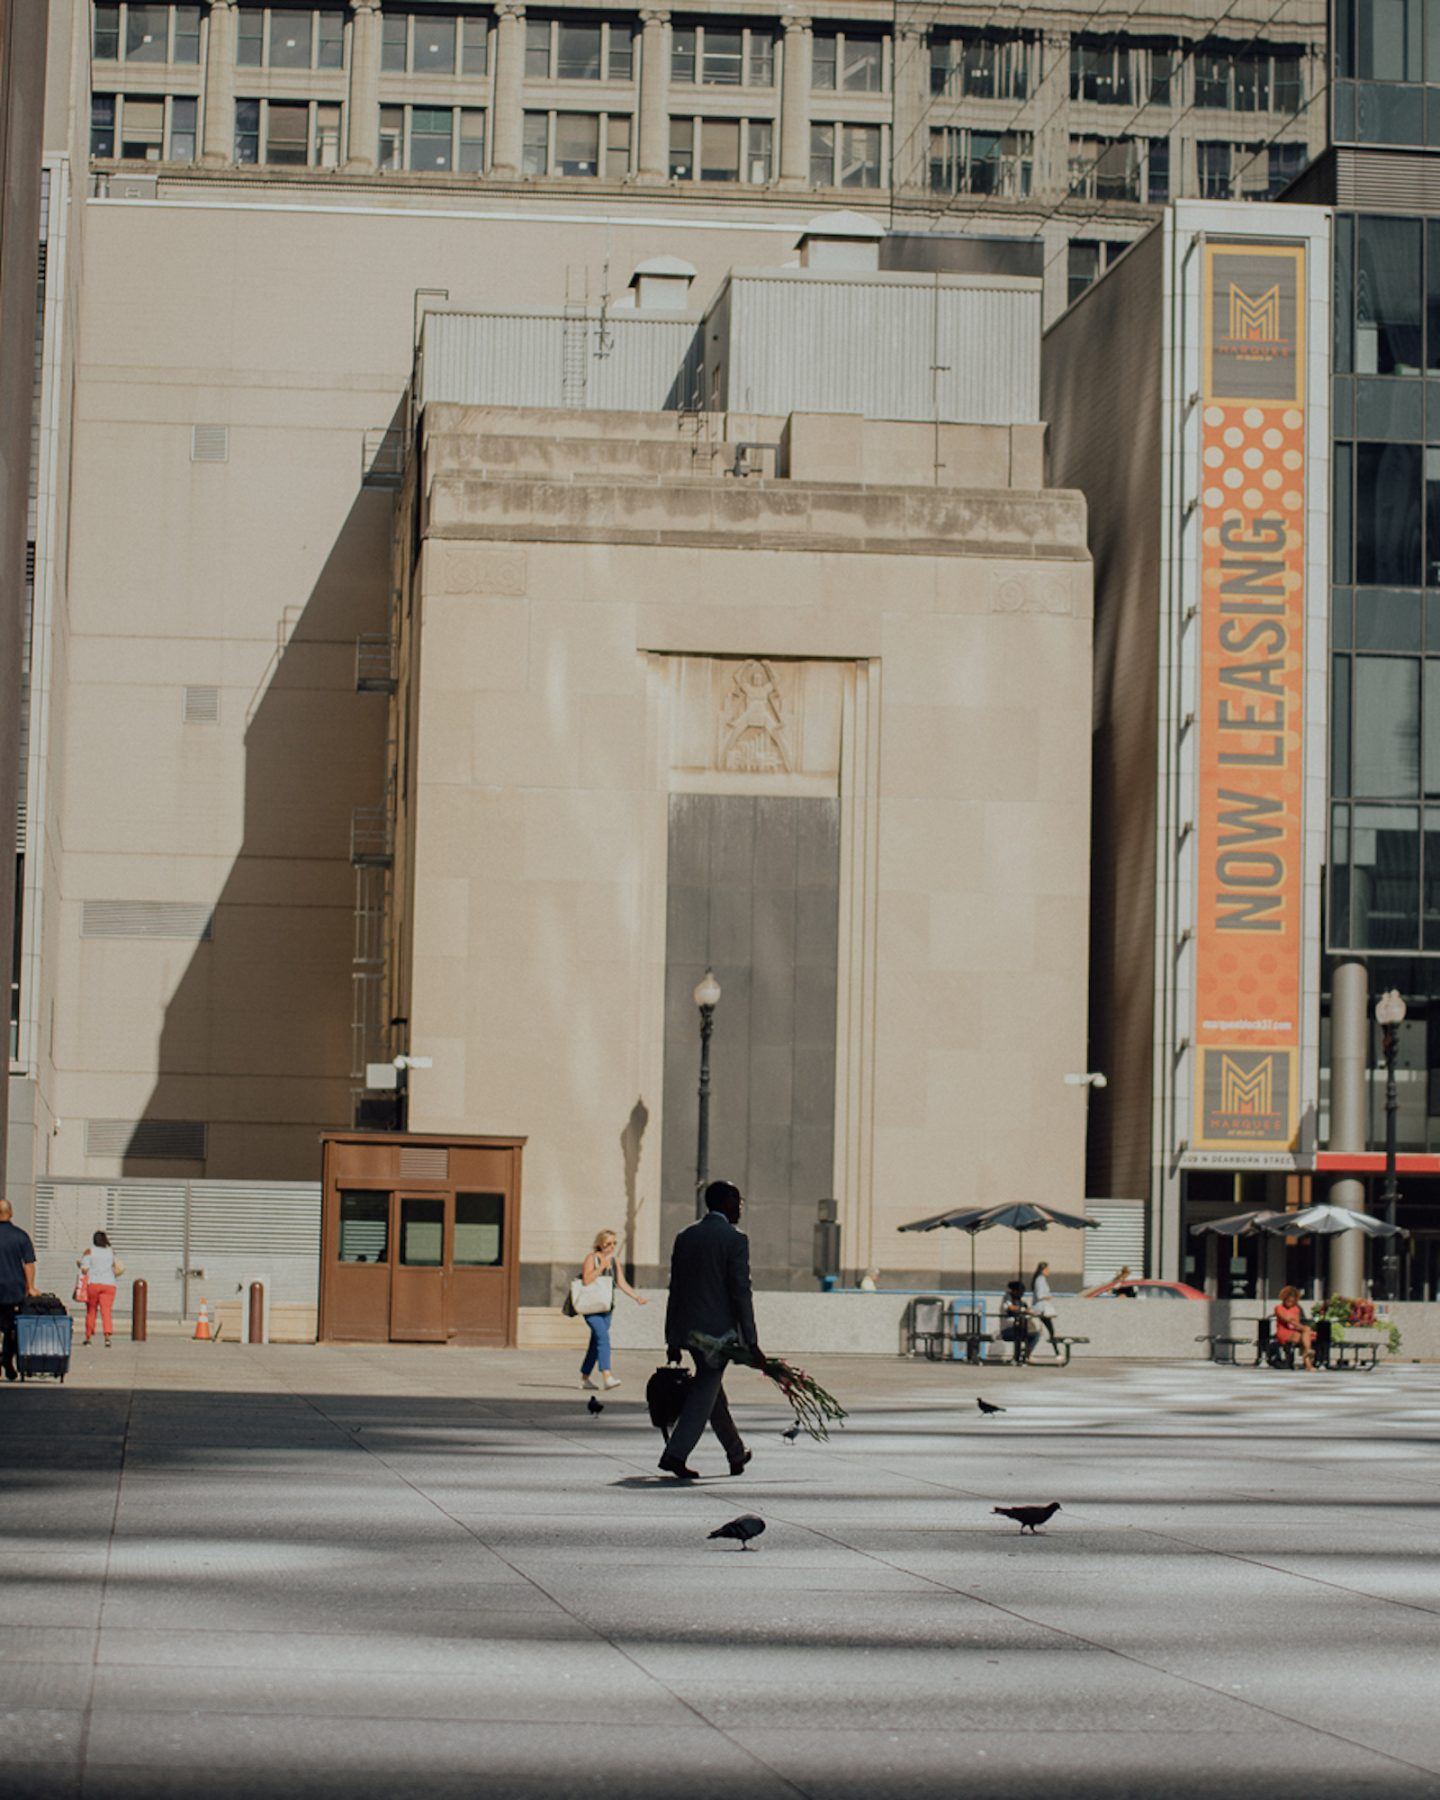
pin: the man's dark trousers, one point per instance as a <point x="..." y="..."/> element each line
<point x="705" y="1403"/>
<point x="9" y="1337"/>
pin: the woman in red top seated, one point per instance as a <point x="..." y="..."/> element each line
<point x="1290" y="1326"/>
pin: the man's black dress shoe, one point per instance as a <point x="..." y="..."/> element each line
<point x="738" y="1468"/>
<point x="678" y="1470"/>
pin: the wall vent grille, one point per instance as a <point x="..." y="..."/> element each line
<point x="202" y="705"/>
<point x="1119" y="1241"/>
<point x="188" y="920"/>
<point x="424" y="1162"/>
<point x="210" y="443"/>
<point x="171" y="1139"/>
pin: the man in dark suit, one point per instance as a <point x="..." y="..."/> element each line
<point x="710" y="1293"/>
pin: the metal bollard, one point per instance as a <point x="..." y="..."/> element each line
<point x="257" y="1313"/>
<point x="139" y="1311"/>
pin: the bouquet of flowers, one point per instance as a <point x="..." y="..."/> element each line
<point x="815" y="1408"/>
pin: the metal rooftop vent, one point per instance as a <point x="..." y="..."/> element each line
<point x="210" y="443"/>
<point x="202" y="705"/>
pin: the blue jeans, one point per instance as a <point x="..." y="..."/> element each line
<point x="599" y="1350"/>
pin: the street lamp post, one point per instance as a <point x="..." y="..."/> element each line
<point x="1389" y="1013"/>
<point x="707" y="998"/>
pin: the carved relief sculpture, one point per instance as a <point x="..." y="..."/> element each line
<point x="753" y="727"/>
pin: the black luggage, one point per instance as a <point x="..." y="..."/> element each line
<point x="43" y="1331"/>
<point x="665" y="1394"/>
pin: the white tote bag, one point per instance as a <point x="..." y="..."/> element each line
<point x="597" y="1296"/>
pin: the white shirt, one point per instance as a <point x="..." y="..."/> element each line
<point x="99" y="1265"/>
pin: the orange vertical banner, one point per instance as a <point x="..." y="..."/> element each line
<point x="1249" y="720"/>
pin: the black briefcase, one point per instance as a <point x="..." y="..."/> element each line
<point x="665" y="1394"/>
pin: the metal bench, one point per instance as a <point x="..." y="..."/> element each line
<point x="1227" y="1349"/>
<point x="1351" y="1352"/>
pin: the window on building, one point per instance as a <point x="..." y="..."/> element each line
<point x="1212" y="170"/>
<point x="758" y="151"/>
<point x="291" y="37"/>
<point x="392" y="137"/>
<point x="1387" y="515"/>
<point x="1164" y="89"/>
<point x="1388" y="297"/>
<point x="982" y="65"/>
<point x="720" y="150"/>
<point x="1108" y="168"/>
<point x="860" y="156"/>
<point x="577" y="55"/>
<point x="364" y="1226"/>
<point x="822" y="156"/>
<point x="722" y="56"/>
<point x="181" y="146"/>
<point x="394" y="42"/>
<point x="1084" y="263"/>
<point x="1157" y="172"/>
<point x="422" y="41"/>
<point x="474" y="44"/>
<point x="964" y="161"/>
<point x="432" y="130"/>
<point x="142" y="128"/>
<point x="247" y="131"/>
<point x="620" y="53"/>
<point x="682" y="149"/>
<point x="1285" y="163"/>
<point x="138" y="33"/>
<point x="479" y="1225"/>
<point x="432" y="43"/>
<point x="471" y="160"/>
<point x="535" y="147"/>
<point x="577" y="144"/>
<point x="1248" y="78"/>
<point x="105" y="34"/>
<point x="287" y="132"/>
<point x="851" y="62"/>
<point x="102" y="125"/>
<point x="617" y="147"/>
<point x="1382" y="40"/>
<point x="1100" y="70"/>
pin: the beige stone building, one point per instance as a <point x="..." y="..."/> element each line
<point x="823" y="730"/>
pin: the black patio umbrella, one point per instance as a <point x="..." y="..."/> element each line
<point x="1019" y="1215"/>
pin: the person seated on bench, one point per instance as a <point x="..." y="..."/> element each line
<point x="1018" y="1326"/>
<point x="1290" y="1326"/>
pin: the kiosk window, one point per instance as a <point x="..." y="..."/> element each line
<point x="479" y="1230"/>
<point x="422" y="1233"/>
<point x="364" y="1227"/>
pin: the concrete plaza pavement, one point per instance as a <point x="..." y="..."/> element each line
<point x="304" y="1571"/>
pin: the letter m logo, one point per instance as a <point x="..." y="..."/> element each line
<point x="1246" y="1092"/>
<point x="1255" y="316"/>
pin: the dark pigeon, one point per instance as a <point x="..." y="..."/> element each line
<point x="1028" y="1517"/>
<point x="791" y="1435"/>
<point x="592" y="1405"/>
<point x="987" y="1408"/>
<point x="744" y="1528"/>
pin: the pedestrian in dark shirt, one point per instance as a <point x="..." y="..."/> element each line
<point x="17" y="1280"/>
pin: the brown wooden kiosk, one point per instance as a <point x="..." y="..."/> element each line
<point x="419" y="1239"/>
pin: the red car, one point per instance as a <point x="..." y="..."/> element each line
<point x="1147" y="1290"/>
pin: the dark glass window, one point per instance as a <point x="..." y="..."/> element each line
<point x="1385" y="876"/>
<point x="433" y="49"/>
<point x="1100" y="70"/>
<point x="1082" y="267"/>
<point x="1387" y="515"/>
<point x="1388" y="297"/>
<point x="1157" y="172"/>
<point x="722" y="63"/>
<point x="394" y="31"/>
<point x="1387" y="727"/>
<point x="247" y="131"/>
<point x="1388" y="39"/>
<point x="102" y="124"/>
<point x="422" y="1233"/>
<point x="431" y="130"/>
<point x="479" y="1231"/>
<point x="1432" y="926"/>
<point x="1432" y="518"/>
<point x="147" y="29"/>
<point x="105" y="37"/>
<point x="1342" y="549"/>
<point x="1340" y="725"/>
<point x="1430" y="761"/>
<point x="364" y="1226"/>
<point x="578" y="54"/>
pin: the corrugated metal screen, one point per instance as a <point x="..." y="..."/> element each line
<point x="180" y="1139"/>
<point x="633" y="362"/>
<point x="1119" y="1241"/>
<point x="186" y="919"/>
<point x="886" y="347"/>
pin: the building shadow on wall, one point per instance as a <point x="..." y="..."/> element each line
<point x="631" y="1139"/>
<point x="256" y="1037"/>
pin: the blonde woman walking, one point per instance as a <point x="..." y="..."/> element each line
<point x="603" y="1264"/>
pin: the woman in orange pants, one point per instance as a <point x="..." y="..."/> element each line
<point x="100" y="1266"/>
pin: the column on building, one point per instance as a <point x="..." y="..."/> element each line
<point x="654" y="155"/>
<point x="910" y="136"/>
<point x="1349" y="1102"/>
<point x="507" y="121"/>
<point x="217" y="146"/>
<point x="795" y="103"/>
<point x="1050" y="174"/>
<point x="363" y="125"/>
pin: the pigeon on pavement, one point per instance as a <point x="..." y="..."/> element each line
<point x="744" y="1528"/>
<point x="987" y="1408"/>
<point x="1028" y="1517"/>
<point x="791" y="1435"/>
<point x="592" y="1405"/>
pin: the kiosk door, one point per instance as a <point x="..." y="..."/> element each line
<point x="419" y="1278"/>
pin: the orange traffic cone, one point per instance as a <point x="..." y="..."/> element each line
<point x="202" y="1324"/>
